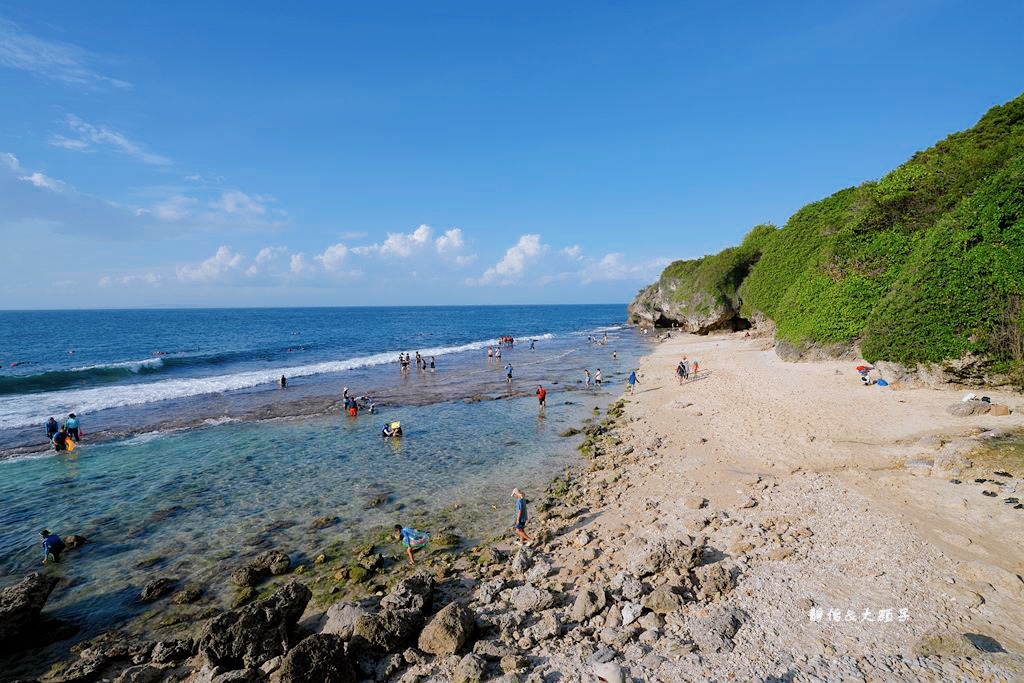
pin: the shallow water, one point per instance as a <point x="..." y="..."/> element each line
<point x="191" y="503"/>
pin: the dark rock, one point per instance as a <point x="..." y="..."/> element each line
<point x="320" y="658"/>
<point x="273" y="561"/>
<point x="73" y="541"/>
<point x="21" y="604"/>
<point x="389" y="630"/>
<point x="250" y="635"/>
<point x="112" y="645"/>
<point x="157" y="588"/>
<point x="448" y="631"/>
<point x="341" y="619"/>
<point x="323" y="522"/>
<point x="84" y="670"/>
<point x="246" y="576"/>
<point x="240" y="676"/>
<point x="142" y="673"/>
<point x="187" y="595"/>
<point x="244" y="595"/>
<point x="415" y="592"/>
<point x="166" y="651"/>
<point x="470" y="669"/>
<point x="714" y="633"/>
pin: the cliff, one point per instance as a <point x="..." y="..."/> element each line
<point x="922" y="267"/>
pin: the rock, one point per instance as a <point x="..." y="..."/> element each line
<point x="522" y="561"/>
<point x="448" y="631"/>
<point x="589" y="602"/>
<point x="643" y="557"/>
<point x="531" y="599"/>
<point x="250" y="635"/>
<point x="83" y="670"/>
<point x="944" y="643"/>
<point x="539" y="571"/>
<point x="320" y="657"/>
<point x="273" y="561"/>
<point x="714" y="633"/>
<point x="628" y="586"/>
<point x="341" y="619"/>
<point x="389" y="630"/>
<point x="663" y="600"/>
<point x="582" y="538"/>
<point x="187" y="595"/>
<point x="630" y="612"/>
<point x="243" y="596"/>
<point x="320" y="559"/>
<point x="323" y="522"/>
<point x="715" y="580"/>
<point x="492" y="649"/>
<point x="74" y="541"/>
<point x="548" y="626"/>
<point x="694" y="502"/>
<point x="272" y="665"/>
<point x="246" y="576"/>
<point x="114" y="645"/>
<point x="143" y="673"/>
<point x="157" y="588"/>
<point x="968" y="408"/>
<point x="609" y="671"/>
<point x="514" y="663"/>
<point x="650" y="621"/>
<point x="415" y="592"/>
<point x="487" y="592"/>
<point x="614" y="617"/>
<point x="21" y="604"/>
<point x="470" y="669"/>
<point x="999" y="410"/>
<point x="239" y="676"/>
<point x="166" y="651"/>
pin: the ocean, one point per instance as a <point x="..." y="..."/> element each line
<point x="194" y="458"/>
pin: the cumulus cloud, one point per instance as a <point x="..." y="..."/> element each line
<point x="50" y="59"/>
<point x="215" y="268"/>
<point x="398" y="244"/>
<point x="333" y="257"/>
<point x="516" y="260"/>
<point x="264" y="258"/>
<point x="614" y="267"/>
<point x="90" y="136"/>
<point x="573" y="252"/>
<point x="299" y="265"/>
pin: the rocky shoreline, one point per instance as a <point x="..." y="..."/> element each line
<point x="669" y="556"/>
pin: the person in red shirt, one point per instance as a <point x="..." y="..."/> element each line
<point x="542" y="396"/>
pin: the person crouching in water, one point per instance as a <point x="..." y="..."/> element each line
<point x="412" y="540"/>
<point x="53" y="546"/>
<point x="60" y="441"/>
<point x="520" y="526"/>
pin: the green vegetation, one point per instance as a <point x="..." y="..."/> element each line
<point x="924" y="265"/>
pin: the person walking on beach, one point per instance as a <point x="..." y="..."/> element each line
<point x="686" y="368"/>
<point x="696" y="369"/>
<point x="521" y="516"/>
<point x="597" y="378"/>
<point x="71" y="426"/>
<point x="53" y="546"/>
<point x="51" y="429"/>
<point x="532" y="342"/>
<point x="542" y="396"/>
<point x="586" y="377"/>
<point x="508" y="373"/>
<point x="632" y="381"/>
<point x="412" y="540"/>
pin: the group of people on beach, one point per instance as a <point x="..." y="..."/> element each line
<point x="596" y="379"/>
<point x="64" y="437"/>
<point x="687" y="369"/>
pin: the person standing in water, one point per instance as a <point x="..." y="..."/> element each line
<point x="508" y="373"/>
<point x="283" y="381"/>
<point x="597" y="378"/>
<point x="542" y="396"/>
<point x="521" y="516"/>
<point x="53" y="546"/>
<point x="51" y="428"/>
<point x="433" y="365"/>
<point x="586" y="377"/>
<point x="71" y="426"/>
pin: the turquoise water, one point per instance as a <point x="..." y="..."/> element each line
<point x="193" y="502"/>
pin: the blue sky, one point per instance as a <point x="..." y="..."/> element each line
<point x="257" y="153"/>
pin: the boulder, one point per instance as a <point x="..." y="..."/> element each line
<point x="470" y="669"/>
<point x="531" y="599"/>
<point x="320" y="657"/>
<point x="157" y="588"/>
<point x="644" y="557"/>
<point x="341" y="619"/>
<point x="589" y="602"/>
<point x="246" y="576"/>
<point x="21" y="604"/>
<point x="415" y="592"/>
<point x="714" y="633"/>
<point x="273" y="561"/>
<point x="628" y="586"/>
<point x="250" y="635"/>
<point x="143" y="673"/>
<point x="187" y="595"/>
<point x="73" y="541"/>
<point x="448" y="631"/>
<point x="389" y="630"/>
<point x="715" y="580"/>
<point x="968" y="408"/>
<point x="663" y="600"/>
<point x="240" y="676"/>
<point x="166" y="651"/>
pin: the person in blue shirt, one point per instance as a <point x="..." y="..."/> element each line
<point x="508" y="373"/>
<point x="51" y="428"/>
<point x="411" y="539"/>
<point x="632" y="381"/>
<point x="71" y="426"/>
<point x="52" y="546"/>
<point x="521" y="517"/>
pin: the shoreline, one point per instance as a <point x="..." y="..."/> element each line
<point x="770" y="490"/>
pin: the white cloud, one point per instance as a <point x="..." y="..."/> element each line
<point x="451" y="241"/>
<point x="90" y="135"/>
<point x="150" y="279"/>
<point x="399" y="244"/>
<point x="264" y="258"/>
<point x="333" y="257"/>
<point x="352" y="234"/>
<point x="299" y="265"/>
<point x="40" y="180"/>
<point x="51" y="59"/>
<point x="175" y="208"/>
<point x="236" y="202"/>
<point x="217" y="267"/>
<point x="573" y="252"/>
<point x="615" y="267"/>
<point x="526" y="251"/>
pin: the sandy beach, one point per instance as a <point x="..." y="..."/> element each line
<point x="817" y="493"/>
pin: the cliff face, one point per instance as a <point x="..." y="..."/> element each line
<point x="925" y="266"/>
